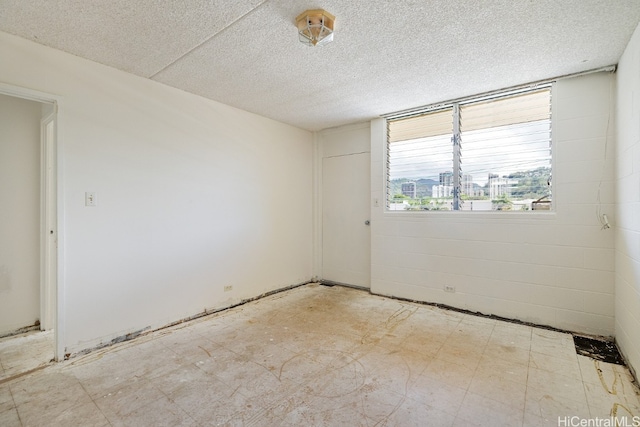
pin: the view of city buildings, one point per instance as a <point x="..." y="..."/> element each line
<point x="528" y="190"/>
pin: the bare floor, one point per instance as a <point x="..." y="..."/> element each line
<point x="327" y="356"/>
<point x="25" y="352"/>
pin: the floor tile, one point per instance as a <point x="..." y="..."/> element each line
<point x="102" y="375"/>
<point x="548" y="405"/>
<point x="9" y="417"/>
<point x="334" y="356"/>
<point x="507" y="369"/>
<point x="231" y="408"/>
<point x="84" y="414"/>
<point x="461" y="353"/>
<point x="428" y="391"/>
<point x="60" y="388"/>
<point x="619" y="398"/>
<point x="156" y="413"/>
<point x="412" y="413"/>
<point x="119" y="403"/>
<point x="511" y="336"/>
<point x="552" y="343"/>
<point x="422" y="341"/>
<point x="377" y="402"/>
<point x="508" y="353"/>
<point x="562" y="366"/>
<point x="6" y="399"/>
<point x="483" y="411"/>
<point x="495" y="386"/>
<point x="303" y="409"/>
<point x="25" y="352"/>
<point x="450" y="373"/>
<point x="55" y="407"/>
<point x="555" y="384"/>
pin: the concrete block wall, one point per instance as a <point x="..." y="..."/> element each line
<point x="627" y="219"/>
<point x="552" y="268"/>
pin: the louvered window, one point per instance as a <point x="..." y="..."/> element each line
<point x="492" y="153"/>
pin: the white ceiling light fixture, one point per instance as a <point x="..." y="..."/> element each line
<point x="315" y="27"/>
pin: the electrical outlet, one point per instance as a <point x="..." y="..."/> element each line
<point x="448" y="288"/>
<point x="228" y="288"/>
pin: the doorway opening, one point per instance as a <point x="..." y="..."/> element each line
<point x="28" y="231"/>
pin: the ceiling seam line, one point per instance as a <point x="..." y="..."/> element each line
<point x="207" y="39"/>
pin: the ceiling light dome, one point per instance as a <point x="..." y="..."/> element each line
<point x="315" y="27"/>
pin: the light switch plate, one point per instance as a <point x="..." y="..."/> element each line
<point x="90" y="198"/>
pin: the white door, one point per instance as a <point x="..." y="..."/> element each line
<point x="346" y="238"/>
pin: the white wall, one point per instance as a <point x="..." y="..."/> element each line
<point x="551" y="268"/>
<point x="627" y="221"/>
<point x="345" y="140"/>
<point x="193" y="196"/>
<point x="19" y="213"/>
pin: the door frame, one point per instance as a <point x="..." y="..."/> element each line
<point x="333" y="142"/>
<point x="48" y="230"/>
<point x="362" y="279"/>
<point x="51" y="214"/>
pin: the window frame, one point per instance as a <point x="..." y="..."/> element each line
<point x="457" y="104"/>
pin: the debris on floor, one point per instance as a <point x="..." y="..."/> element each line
<point x="605" y="351"/>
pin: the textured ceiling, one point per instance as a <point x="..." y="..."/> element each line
<point x="386" y="55"/>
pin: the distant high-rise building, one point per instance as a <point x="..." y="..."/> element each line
<point x="499" y="186"/>
<point x="440" y="191"/>
<point x="467" y="185"/>
<point x="446" y="178"/>
<point x="409" y="189"/>
<point x="445" y="189"/>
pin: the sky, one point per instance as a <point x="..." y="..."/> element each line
<point x="499" y="150"/>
